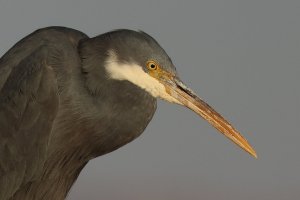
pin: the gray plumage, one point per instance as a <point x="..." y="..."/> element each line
<point x="58" y="109"/>
<point x="66" y="98"/>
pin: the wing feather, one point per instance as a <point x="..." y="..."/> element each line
<point x="28" y="106"/>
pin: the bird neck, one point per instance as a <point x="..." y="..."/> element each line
<point x="92" y="52"/>
<point x="105" y="114"/>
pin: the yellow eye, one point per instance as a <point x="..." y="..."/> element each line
<point x="152" y="65"/>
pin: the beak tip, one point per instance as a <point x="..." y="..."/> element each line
<point x="252" y="152"/>
<point x="254" y="155"/>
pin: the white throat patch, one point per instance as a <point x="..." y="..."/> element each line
<point x="136" y="75"/>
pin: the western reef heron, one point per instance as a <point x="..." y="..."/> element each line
<point x="66" y="98"/>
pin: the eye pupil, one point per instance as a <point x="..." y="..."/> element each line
<point x="152" y="65"/>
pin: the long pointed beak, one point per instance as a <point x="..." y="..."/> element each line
<point x="188" y="98"/>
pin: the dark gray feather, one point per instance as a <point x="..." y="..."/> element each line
<point x="58" y="109"/>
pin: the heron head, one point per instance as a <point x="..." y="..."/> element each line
<point x="136" y="57"/>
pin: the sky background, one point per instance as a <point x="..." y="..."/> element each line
<point x="241" y="56"/>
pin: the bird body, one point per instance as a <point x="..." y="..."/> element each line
<point x="66" y="98"/>
<point x="43" y="164"/>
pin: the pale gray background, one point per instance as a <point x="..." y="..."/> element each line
<point x="242" y="56"/>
